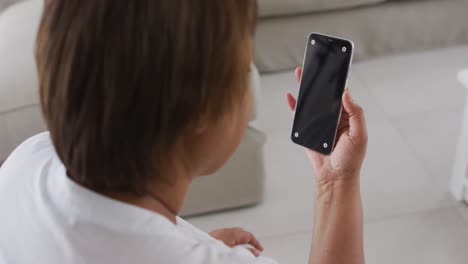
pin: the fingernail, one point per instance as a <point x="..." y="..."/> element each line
<point x="349" y="94"/>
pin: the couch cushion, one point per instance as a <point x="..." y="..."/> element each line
<point x="384" y="29"/>
<point x="20" y="116"/>
<point x="18" y="81"/>
<point x="282" y="7"/>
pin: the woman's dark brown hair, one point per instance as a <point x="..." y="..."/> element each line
<point x="120" y="81"/>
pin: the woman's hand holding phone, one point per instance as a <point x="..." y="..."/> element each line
<point x="346" y="159"/>
<point x="338" y="220"/>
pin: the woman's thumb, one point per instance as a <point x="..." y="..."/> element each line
<point x="357" y="123"/>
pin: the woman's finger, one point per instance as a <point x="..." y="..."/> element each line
<point x="254" y="242"/>
<point x="249" y="238"/>
<point x="357" y="123"/>
<point x="291" y="101"/>
<point x="298" y="73"/>
<point x="254" y="251"/>
<point x="289" y="97"/>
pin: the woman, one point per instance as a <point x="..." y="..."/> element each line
<point x="140" y="97"/>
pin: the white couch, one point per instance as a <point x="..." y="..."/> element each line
<point x="239" y="183"/>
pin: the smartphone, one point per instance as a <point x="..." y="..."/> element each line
<point x="327" y="62"/>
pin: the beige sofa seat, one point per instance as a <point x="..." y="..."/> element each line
<point x="239" y="183"/>
<point x="377" y="29"/>
<point x="20" y="116"/>
<point x="268" y="8"/>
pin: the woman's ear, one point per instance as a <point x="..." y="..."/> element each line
<point x="201" y="126"/>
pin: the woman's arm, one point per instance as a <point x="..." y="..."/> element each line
<point x="338" y="222"/>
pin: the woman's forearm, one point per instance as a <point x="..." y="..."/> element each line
<point x="338" y="223"/>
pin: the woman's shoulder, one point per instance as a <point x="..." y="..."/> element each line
<point x="34" y="144"/>
<point x="31" y="152"/>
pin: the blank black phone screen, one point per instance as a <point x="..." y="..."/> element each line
<point x="324" y="74"/>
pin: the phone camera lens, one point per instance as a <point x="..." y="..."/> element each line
<point x="344" y="49"/>
<point x="312" y="42"/>
<point x="325" y="145"/>
<point x="296" y="134"/>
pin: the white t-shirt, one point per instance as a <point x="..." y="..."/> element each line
<point x="47" y="218"/>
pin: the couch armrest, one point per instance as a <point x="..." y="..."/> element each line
<point x="4" y="4"/>
<point x="255" y="86"/>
